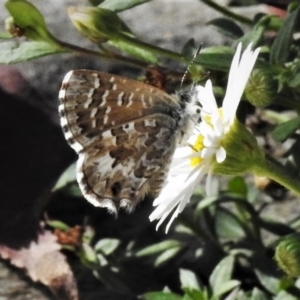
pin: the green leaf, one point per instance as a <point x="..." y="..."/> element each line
<point x="227" y="225"/>
<point x="134" y="51"/>
<point x="88" y="235"/>
<point x="191" y="294"/>
<point x="167" y="255"/>
<point x="285" y="295"/>
<point x="58" y="225"/>
<point x="220" y="58"/>
<point x="188" y="279"/>
<point x="5" y="35"/>
<point x="226" y="287"/>
<point x="255" y="35"/>
<point x="27" y="17"/>
<point x="282" y="43"/>
<point x="159" y="247"/>
<point x="96" y="2"/>
<point x="237" y="185"/>
<point x="160" y="296"/>
<point x="269" y="282"/>
<point x="67" y="183"/>
<point x="107" y="246"/>
<point x="206" y="202"/>
<point x="267" y="272"/>
<point x="221" y="274"/>
<point x="284" y="130"/>
<point x="102" y="261"/>
<point x="68" y="176"/>
<point x="258" y="295"/>
<point x="216" y="56"/>
<point x="72" y="189"/>
<point x="294" y="81"/>
<point x="88" y="253"/>
<point x="227" y="27"/>
<point x="117" y="5"/>
<point x="12" y="52"/>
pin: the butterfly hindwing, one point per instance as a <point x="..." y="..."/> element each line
<point x="128" y="163"/>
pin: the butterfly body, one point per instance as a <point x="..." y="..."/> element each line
<point x="125" y="133"/>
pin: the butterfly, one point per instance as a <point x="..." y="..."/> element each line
<point x="125" y="133"/>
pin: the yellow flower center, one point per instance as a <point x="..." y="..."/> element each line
<point x="197" y="147"/>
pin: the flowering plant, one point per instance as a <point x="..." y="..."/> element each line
<point x="224" y="236"/>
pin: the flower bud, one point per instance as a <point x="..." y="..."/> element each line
<point x="261" y="88"/>
<point x="287" y="254"/>
<point x="26" y="20"/>
<point x="97" y="24"/>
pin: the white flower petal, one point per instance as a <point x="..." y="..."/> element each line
<point x="220" y="155"/>
<point x="207" y="153"/>
<point x="217" y="124"/>
<point x="240" y="70"/>
<point x="207" y="98"/>
<point x="233" y="70"/>
<point x="208" y="184"/>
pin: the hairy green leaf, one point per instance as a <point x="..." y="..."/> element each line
<point x="282" y="43"/>
<point x="117" y="5"/>
<point x="227" y="27"/>
<point x="284" y="130"/>
<point x="107" y="246"/>
<point x="159" y="247"/>
<point x="12" y="52"/>
<point x="221" y="274"/>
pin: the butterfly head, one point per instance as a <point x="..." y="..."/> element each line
<point x="191" y="106"/>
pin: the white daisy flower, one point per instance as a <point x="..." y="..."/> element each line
<point x="207" y="148"/>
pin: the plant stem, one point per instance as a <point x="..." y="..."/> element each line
<point x="153" y="49"/>
<point x="107" y="56"/>
<point x="274" y="170"/>
<point x="227" y="12"/>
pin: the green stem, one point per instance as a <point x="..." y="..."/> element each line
<point x="248" y="217"/>
<point x="125" y="59"/>
<point x="227" y="12"/>
<point x="107" y="56"/>
<point x="200" y="234"/>
<point x="274" y="170"/>
<point x="151" y="48"/>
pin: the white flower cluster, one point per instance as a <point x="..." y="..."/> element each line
<point x="192" y="162"/>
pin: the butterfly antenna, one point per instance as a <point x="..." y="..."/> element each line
<point x="190" y="64"/>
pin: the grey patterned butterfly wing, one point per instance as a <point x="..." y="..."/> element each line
<point x="125" y="133"/>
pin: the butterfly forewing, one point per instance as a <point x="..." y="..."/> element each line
<point x="124" y="132"/>
<point x="92" y="102"/>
